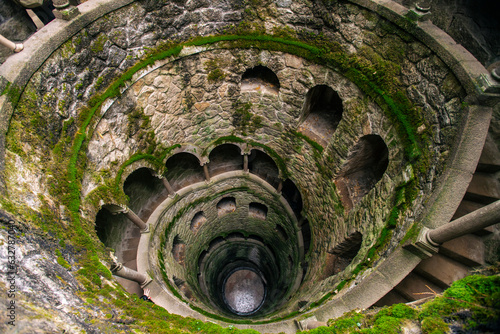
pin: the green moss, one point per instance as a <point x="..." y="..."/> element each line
<point x="400" y="311"/>
<point x="311" y="142"/>
<point x="244" y="119"/>
<point x="67" y="49"/>
<point x="98" y="43"/>
<point x="215" y="73"/>
<point x="63" y="262"/>
<point x="434" y="325"/>
<point x="348" y="323"/>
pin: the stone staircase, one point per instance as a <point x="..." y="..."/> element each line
<point x="130" y="243"/>
<point x="456" y="258"/>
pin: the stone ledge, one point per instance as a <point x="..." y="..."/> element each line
<point x="19" y="68"/>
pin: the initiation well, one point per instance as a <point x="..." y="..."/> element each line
<point x="255" y="164"/>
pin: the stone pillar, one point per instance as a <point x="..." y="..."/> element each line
<point x="428" y="241"/>
<point x="166" y="184"/>
<point x="207" y="174"/>
<point x="64" y="10"/>
<point x="421" y="11"/>
<point x="423" y="6"/>
<point x="136" y="220"/>
<point x="469" y="223"/>
<point x="245" y="163"/>
<point x="280" y="187"/>
<point x="120" y="270"/>
<point x="11" y="45"/>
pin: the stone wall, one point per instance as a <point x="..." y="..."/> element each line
<point x="194" y="98"/>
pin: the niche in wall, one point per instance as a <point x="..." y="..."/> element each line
<point x="281" y="231"/>
<point x="183" y="169"/>
<point x="292" y="194"/>
<point x="306" y="235"/>
<point x="225" y="158"/>
<point x="198" y="220"/>
<point x="179" y="250"/>
<point x="225" y="206"/>
<point x="365" y="166"/>
<point x="257" y="210"/>
<point x="321" y="113"/>
<point x="260" y="79"/>
<point x="262" y="165"/>
<point x="342" y="254"/>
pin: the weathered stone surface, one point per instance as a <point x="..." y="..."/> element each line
<point x="180" y="102"/>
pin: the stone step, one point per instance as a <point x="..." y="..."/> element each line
<point x="441" y="270"/>
<point x="489" y="162"/>
<point x="131" y="243"/>
<point x="467" y="207"/>
<point x="128" y="255"/>
<point x="468" y="249"/>
<point x="392" y="297"/>
<point x="484" y="188"/>
<point x="130" y="286"/>
<point x="415" y="287"/>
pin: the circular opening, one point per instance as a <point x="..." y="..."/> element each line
<point x="244" y="291"/>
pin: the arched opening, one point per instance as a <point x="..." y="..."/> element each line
<point x="145" y="192"/>
<point x="179" y="250"/>
<point x="225" y="158"/>
<point x="342" y="255"/>
<point x="198" y="220"/>
<point x="183" y="169"/>
<point x="281" y="231"/>
<point x="262" y="165"/>
<point x="260" y="79"/>
<point x="183" y="287"/>
<point x="306" y="235"/>
<point x="257" y="210"/>
<point x="365" y="166"/>
<point x="292" y="194"/>
<point x="322" y="113"/>
<point x="235" y="235"/>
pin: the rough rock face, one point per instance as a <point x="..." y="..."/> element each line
<point x="15" y="25"/>
<point x="45" y="295"/>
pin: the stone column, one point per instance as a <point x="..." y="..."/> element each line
<point x="64" y="10"/>
<point x="11" y="45"/>
<point x="245" y="163"/>
<point x="428" y="241"/>
<point x="280" y="187"/>
<point x="469" y="223"/>
<point x="423" y="6"/>
<point x="136" y="220"/>
<point x="166" y="184"/>
<point x="207" y="174"/>
<point x="120" y="270"/>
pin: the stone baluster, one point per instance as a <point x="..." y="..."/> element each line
<point x="429" y="240"/>
<point x="423" y="6"/>
<point x="476" y="220"/>
<point x="245" y="162"/>
<point x="207" y="174"/>
<point x="166" y="184"/>
<point x="120" y="270"/>
<point x="16" y="47"/>
<point x="64" y="10"/>
<point x="280" y="186"/>
<point x="115" y="209"/>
